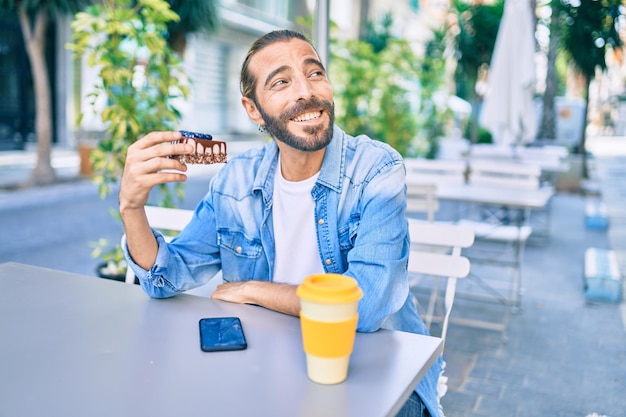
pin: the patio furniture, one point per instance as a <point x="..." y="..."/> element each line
<point x="514" y="175"/>
<point x="167" y="220"/>
<point x="436" y="252"/>
<point x="502" y="231"/>
<point x="434" y="171"/>
<point x="423" y="176"/>
<point x="421" y="198"/>
<point x="75" y="346"/>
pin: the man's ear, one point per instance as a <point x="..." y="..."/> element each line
<point x="252" y="110"/>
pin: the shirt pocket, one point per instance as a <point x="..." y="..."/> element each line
<point x="347" y="235"/>
<point x="240" y="255"/>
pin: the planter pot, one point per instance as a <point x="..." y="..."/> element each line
<point x="84" y="150"/>
<point x="105" y="270"/>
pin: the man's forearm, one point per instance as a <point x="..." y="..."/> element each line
<point x="271" y="295"/>
<point x="142" y="244"/>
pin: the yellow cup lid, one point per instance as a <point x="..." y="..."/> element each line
<point x="329" y="289"/>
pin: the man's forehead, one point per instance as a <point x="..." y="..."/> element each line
<point x="280" y="53"/>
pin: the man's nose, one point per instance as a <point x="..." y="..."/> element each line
<point x="303" y="88"/>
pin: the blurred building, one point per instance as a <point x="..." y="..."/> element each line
<point x="212" y="61"/>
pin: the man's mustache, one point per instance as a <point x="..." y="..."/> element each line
<point x="304" y="106"/>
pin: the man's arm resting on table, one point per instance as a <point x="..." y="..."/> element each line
<point x="271" y="295"/>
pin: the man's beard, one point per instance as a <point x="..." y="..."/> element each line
<point x="318" y="136"/>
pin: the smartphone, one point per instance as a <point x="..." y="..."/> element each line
<point x="221" y="333"/>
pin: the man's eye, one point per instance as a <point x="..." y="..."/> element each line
<point x="279" y="83"/>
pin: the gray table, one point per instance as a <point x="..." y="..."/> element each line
<point x="72" y="345"/>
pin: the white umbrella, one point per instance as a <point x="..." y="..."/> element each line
<point x="508" y="111"/>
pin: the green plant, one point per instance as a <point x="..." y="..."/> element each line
<point x="433" y="117"/>
<point x="376" y="86"/>
<point x="139" y="76"/>
<point x="112" y="256"/>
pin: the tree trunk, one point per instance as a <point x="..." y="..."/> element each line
<point x="583" y="137"/>
<point x="35" y="41"/>
<point x="177" y="41"/>
<point x="363" y="18"/>
<point x="547" y="127"/>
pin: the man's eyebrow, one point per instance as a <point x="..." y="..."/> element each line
<point x="308" y="61"/>
<point x="273" y="74"/>
<point x="313" y="61"/>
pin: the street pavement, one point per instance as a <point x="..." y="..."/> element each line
<point x="564" y="357"/>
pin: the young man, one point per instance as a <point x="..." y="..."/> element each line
<point x="313" y="200"/>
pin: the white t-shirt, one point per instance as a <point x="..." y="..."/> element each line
<point x="295" y="238"/>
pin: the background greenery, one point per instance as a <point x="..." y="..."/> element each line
<point x="141" y="79"/>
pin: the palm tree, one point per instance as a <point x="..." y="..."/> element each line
<point x="195" y="16"/>
<point x="478" y="25"/>
<point x="547" y="125"/>
<point x="589" y="28"/>
<point x="34" y="16"/>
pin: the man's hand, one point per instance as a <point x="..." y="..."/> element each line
<point x="145" y="162"/>
<point x="148" y="165"/>
<point x="272" y="295"/>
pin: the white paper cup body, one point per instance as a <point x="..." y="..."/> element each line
<point x="321" y="369"/>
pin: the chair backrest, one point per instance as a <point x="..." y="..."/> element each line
<point x="490" y="150"/>
<point x="509" y="174"/>
<point x="421" y="198"/>
<point x="165" y="219"/>
<point x="546" y="157"/>
<point x="436" y="251"/>
<point x="434" y="171"/>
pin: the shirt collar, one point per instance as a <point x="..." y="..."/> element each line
<point x="330" y="174"/>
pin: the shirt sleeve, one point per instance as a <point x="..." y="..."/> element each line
<point x="190" y="260"/>
<point x="378" y="259"/>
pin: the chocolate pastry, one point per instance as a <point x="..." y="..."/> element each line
<point x="208" y="151"/>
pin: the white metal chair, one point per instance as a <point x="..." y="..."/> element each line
<point x="422" y="179"/>
<point x="167" y="220"/>
<point x="421" y="198"/>
<point x="436" y="251"/>
<point x="501" y="233"/>
<point x="504" y="173"/>
<point x="491" y="151"/>
<point x="434" y="171"/>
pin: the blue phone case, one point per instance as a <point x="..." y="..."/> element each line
<point x="221" y="333"/>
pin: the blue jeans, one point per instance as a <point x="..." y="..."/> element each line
<point x="413" y="407"/>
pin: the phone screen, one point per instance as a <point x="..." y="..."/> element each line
<point x="221" y="333"/>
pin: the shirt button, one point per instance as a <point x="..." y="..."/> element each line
<point x="320" y="222"/>
<point x="238" y="249"/>
<point x="328" y="262"/>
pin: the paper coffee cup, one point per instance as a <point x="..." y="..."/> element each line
<point x="328" y="319"/>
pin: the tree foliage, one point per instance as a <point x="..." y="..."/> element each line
<point x="589" y="28"/>
<point x="375" y="83"/>
<point x="477" y="29"/>
<point x="34" y="16"/>
<point x="140" y="77"/>
<point x="474" y="36"/>
<point x="194" y="16"/>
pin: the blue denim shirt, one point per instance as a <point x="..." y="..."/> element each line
<point x="360" y="204"/>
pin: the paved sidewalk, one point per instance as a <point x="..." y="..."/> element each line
<point x="565" y="356"/>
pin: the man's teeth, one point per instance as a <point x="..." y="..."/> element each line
<point x="307" y="116"/>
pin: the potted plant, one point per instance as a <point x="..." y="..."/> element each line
<point x="112" y="262"/>
<point x="140" y="77"/>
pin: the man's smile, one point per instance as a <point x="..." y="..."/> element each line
<point x="307" y="116"/>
